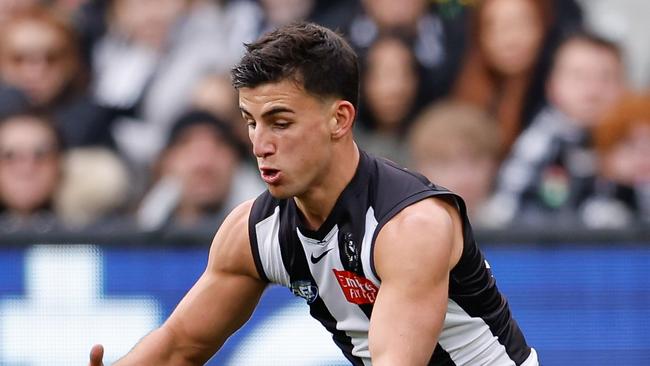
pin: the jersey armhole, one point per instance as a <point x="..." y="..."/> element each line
<point x="252" y="235"/>
<point x="458" y="202"/>
<point x="389" y="215"/>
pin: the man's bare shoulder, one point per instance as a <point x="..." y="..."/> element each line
<point x="238" y="217"/>
<point x="428" y="215"/>
<point x="231" y="250"/>
<point x="432" y="225"/>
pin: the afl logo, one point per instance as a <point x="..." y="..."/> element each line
<point x="305" y="289"/>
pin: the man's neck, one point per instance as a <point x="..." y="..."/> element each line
<point x="317" y="203"/>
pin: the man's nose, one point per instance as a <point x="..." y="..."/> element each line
<point x="263" y="144"/>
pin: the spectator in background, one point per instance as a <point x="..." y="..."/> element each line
<point x="38" y="56"/>
<point x="40" y="68"/>
<point x="87" y="17"/>
<point x="436" y="37"/>
<point x="456" y="145"/>
<point x="43" y="187"/>
<point x="10" y="7"/>
<point x="30" y="172"/>
<point x="507" y="37"/>
<point x="257" y="17"/>
<point x="68" y="8"/>
<point x="390" y="90"/>
<point x="621" y="193"/>
<point x="153" y="54"/>
<point x="626" y="22"/>
<point x="95" y="188"/>
<point x="549" y="170"/>
<point x="281" y="12"/>
<point x="214" y="93"/>
<point x="200" y="176"/>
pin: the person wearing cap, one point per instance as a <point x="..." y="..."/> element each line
<point x="199" y="175"/>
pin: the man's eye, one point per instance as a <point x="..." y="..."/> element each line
<point x="250" y="124"/>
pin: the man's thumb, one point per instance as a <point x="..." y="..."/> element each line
<point x="96" y="355"/>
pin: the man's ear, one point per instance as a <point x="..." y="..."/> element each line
<point x="342" y="119"/>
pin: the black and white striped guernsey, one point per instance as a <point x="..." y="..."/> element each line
<point x="333" y="269"/>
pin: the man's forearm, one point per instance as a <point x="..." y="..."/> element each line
<point x="157" y="348"/>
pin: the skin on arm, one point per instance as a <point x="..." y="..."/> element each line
<point x="414" y="253"/>
<point x="217" y="305"/>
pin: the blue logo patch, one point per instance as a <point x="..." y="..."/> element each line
<point x="305" y="289"/>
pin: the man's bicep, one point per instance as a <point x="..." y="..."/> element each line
<point x="412" y="257"/>
<point x="224" y="296"/>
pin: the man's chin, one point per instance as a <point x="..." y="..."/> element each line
<point x="279" y="193"/>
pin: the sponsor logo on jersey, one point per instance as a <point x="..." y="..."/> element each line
<point x="357" y="290"/>
<point x="305" y="289"/>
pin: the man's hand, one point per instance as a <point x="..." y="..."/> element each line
<point x="199" y="325"/>
<point x="96" y="355"/>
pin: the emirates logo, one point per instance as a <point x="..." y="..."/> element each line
<point x="357" y="290"/>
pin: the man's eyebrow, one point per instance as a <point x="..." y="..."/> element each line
<point x="277" y="110"/>
<point x="270" y="112"/>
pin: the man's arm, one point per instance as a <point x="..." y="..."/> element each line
<point x="217" y="305"/>
<point x="414" y="253"/>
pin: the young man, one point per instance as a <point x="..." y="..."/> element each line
<point x="352" y="234"/>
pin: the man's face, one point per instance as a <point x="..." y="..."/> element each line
<point x="585" y="82"/>
<point x="391" y="83"/>
<point x="35" y="59"/>
<point x="461" y="170"/>
<point x="10" y="7"/>
<point x="286" y="11"/>
<point x="29" y="164"/>
<point x="511" y="35"/>
<point x="627" y="162"/>
<point x="289" y="130"/>
<point x="395" y="14"/>
<point x="147" y="22"/>
<point x="204" y="163"/>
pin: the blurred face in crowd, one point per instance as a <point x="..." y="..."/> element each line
<point x="390" y="82"/>
<point x="10" y="7"/>
<point x="215" y="94"/>
<point x="456" y="146"/>
<point x="464" y="173"/>
<point x="205" y="165"/>
<point x="628" y="161"/>
<point x="36" y="58"/>
<point x="511" y="35"/>
<point x="280" y="12"/>
<point x="68" y="7"/>
<point x="586" y="81"/>
<point x="29" y="164"/>
<point x="395" y="14"/>
<point x="148" y="22"/>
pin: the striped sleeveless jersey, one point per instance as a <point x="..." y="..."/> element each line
<point x="332" y="268"/>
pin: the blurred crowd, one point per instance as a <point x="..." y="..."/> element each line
<point x="119" y="114"/>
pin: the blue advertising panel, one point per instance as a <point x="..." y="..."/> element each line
<point x="577" y="304"/>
